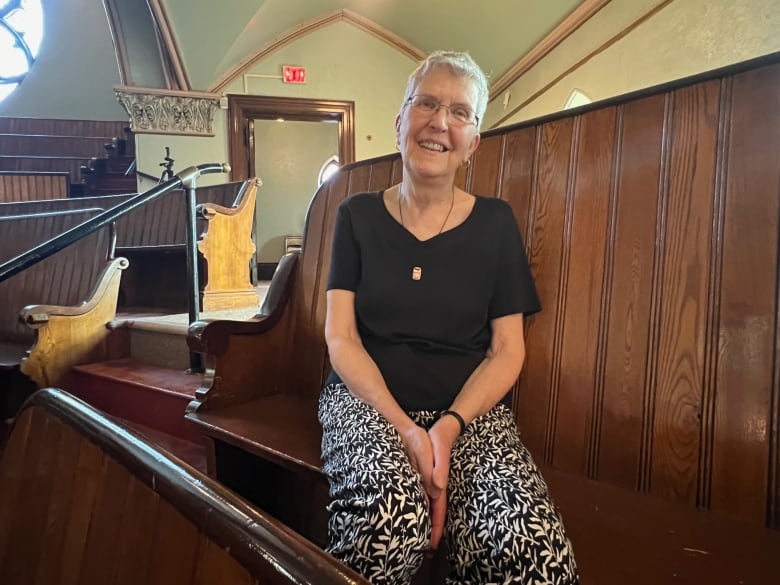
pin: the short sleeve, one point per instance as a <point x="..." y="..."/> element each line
<point x="345" y="254"/>
<point x="515" y="291"/>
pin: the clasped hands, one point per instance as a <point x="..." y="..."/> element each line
<point x="429" y="453"/>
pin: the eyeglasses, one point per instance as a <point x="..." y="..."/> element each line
<point x="458" y="114"/>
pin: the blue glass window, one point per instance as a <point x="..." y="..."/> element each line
<point x="21" y="31"/>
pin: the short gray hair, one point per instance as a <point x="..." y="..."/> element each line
<point x="459" y="64"/>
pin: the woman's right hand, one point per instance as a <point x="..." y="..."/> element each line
<point x="420" y="452"/>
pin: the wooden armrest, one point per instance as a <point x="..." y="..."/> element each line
<point x="209" y="210"/>
<point x="35" y="316"/>
<point x="212" y="336"/>
<point x="280" y="428"/>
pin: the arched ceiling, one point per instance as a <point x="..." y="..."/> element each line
<point x="212" y="36"/>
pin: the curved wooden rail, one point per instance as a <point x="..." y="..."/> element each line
<point x="84" y="500"/>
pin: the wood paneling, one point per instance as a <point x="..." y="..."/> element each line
<point x="33" y="186"/>
<point x="747" y="318"/>
<point x="538" y="395"/>
<point x="64" y="127"/>
<point x="652" y="225"/>
<point x="583" y="293"/>
<point x="638" y="170"/>
<point x="86" y="502"/>
<point x="684" y="290"/>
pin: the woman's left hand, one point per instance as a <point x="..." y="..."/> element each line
<point x="443" y="435"/>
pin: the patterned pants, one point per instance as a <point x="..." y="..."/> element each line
<point x="501" y="525"/>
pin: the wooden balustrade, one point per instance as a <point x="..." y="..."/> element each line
<point x="86" y="501"/>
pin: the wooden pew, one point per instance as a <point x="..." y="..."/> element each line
<point x="159" y="254"/>
<point x="651" y="224"/>
<point x="153" y="239"/>
<point x="86" y="501"/>
<point x="20" y="186"/>
<point x="54" y="314"/>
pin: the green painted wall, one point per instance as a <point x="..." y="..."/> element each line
<point x="374" y="77"/>
<point x="288" y="158"/>
<point x="76" y="69"/>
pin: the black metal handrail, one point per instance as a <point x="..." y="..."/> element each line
<point x="187" y="179"/>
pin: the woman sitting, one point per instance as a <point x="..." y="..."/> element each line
<point x="426" y="297"/>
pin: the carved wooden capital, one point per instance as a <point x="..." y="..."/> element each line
<point x="158" y="111"/>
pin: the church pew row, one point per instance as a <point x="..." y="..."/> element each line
<point x="153" y="239"/>
<point x="651" y="225"/>
<point x="54" y="145"/>
<point x="20" y="186"/>
<point x="86" y="501"/>
<point x="56" y="126"/>
<point x="55" y="310"/>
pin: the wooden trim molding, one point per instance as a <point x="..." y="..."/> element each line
<point x="311" y="26"/>
<point x="161" y="111"/>
<point x="603" y="47"/>
<point x="242" y="109"/>
<point x="559" y="34"/>
<point x="170" y="47"/>
<point x="118" y="36"/>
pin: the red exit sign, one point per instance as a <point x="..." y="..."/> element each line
<point x="292" y="74"/>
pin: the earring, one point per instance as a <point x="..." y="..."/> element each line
<point x="467" y="162"/>
<point x="398" y="146"/>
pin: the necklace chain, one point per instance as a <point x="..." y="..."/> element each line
<point x="446" y="217"/>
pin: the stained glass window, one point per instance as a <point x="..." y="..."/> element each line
<point x="21" y="31"/>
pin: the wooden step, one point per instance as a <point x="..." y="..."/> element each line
<point x="141" y="393"/>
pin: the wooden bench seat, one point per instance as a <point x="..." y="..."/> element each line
<point x="619" y="536"/>
<point x="86" y="501"/>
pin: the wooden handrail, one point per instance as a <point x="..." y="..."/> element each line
<point x="263" y="545"/>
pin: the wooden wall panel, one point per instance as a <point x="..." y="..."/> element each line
<point x="685" y="278"/>
<point x="172" y="564"/>
<point x="537" y="396"/>
<point x="107" y="129"/>
<point x="747" y="313"/>
<point x="139" y="519"/>
<point x="583" y="294"/>
<point x="517" y="175"/>
<point x="638" y="170"/>
<point x="652" y="225"/>
<point x="381" y="175"/>
<point x="486" y="167"/>
<point x="359" y="180"/>
<point x="102" y="548"/>
<point x="54" y="532"/>
<point x="33" y="186"/>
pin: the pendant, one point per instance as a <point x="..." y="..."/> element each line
<point x="416" y="273"/>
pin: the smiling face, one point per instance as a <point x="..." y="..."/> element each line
<point x="431" y="145"/>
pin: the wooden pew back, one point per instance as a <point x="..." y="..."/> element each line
<point x="67" y="278"/>
<point x="159" y="223"/>
<point x="85" y="501"/>
<point x="31" y="186"/>
<point x="651" y="225"/>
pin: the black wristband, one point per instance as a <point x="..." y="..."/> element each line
<point x="458" y="418"/>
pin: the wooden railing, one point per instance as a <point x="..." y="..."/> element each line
<point x="86" y="501"/>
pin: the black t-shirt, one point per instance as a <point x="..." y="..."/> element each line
<point x="427" y="335"/>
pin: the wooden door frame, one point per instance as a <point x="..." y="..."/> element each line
<point x="243" y="109"/>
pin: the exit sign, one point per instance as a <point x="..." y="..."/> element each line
<point x="292" y="74"/>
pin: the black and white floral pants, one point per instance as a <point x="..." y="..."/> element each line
<point x="501" y="525"/>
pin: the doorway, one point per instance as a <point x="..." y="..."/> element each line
<point x="255" y="139"/>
